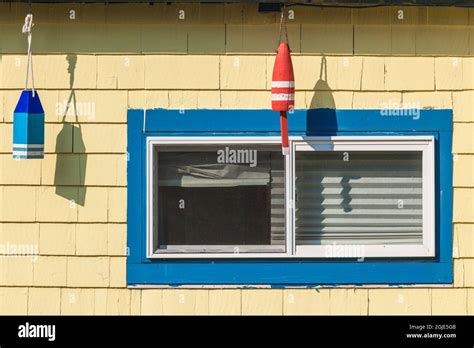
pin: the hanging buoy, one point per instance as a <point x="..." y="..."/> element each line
<point x="28" y="117"/>
<point x="28" y="127"/>
<point x="283" y="87"/>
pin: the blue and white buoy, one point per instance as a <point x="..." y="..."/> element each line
<point x="28" y="117"/>
<point x="28" y="127"/>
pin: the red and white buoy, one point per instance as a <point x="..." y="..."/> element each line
<point x="283" y="90"/>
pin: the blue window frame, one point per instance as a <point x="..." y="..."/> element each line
<point x="286" y="272"/>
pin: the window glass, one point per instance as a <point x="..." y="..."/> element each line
<point x="217" y="198"/>
<point x="358" y="197"/>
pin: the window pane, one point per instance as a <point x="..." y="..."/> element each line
<point x="220" y="198"/>
<point x="358" y="198"/>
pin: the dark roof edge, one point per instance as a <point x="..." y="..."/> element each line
<point x="317" y="3"/>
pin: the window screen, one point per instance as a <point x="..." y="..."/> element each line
<point x="216" y="198"/>
<point x="358" y="197"/>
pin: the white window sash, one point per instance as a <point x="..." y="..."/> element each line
<point x="204" y="251"/>
<point x="425" y="144"/>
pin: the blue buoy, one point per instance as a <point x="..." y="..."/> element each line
<point x="28" y="127"/>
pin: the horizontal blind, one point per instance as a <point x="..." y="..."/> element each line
<point x="277" y="193"/>
<point x="358" y="198"/>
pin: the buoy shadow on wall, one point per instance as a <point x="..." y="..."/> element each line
<point x="70" y="172"/>
<point x="323" y="106"/>
<point x="323" y="95"/>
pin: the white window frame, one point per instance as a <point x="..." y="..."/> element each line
<point x="151" y="253"/>
<point x="425" y="144"/>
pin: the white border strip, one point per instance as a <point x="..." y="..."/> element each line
<point x="29" y="146"/>
<point x="283" y="84"/>
<point x="282" y="97"/>
<point x="28" y="153"/>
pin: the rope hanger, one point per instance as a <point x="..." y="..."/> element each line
<point x="27" y="30"/>
<point x="282" y="24"/>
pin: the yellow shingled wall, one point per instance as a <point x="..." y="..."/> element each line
<point x="72" y="205"/>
